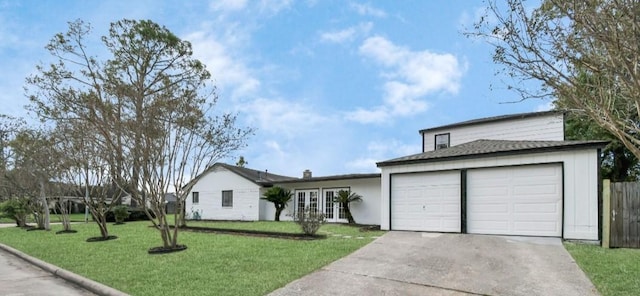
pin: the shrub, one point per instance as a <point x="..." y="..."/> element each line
<point x="309" y="221"/>
<point x="121" y="213"/>
<point x="15" y="209"/>
<point x="135" y="214"/>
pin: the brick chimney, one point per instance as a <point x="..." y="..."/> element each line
<point x="306" y="174"/>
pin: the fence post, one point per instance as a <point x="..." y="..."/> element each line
<point x="606" y="212"/>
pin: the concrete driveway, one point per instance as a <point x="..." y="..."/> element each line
<point x="414" y="263"/>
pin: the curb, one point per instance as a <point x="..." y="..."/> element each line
<point x="66" y="275"/>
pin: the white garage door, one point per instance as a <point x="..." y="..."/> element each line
<point x="522" y="200"/>
<point x="426" y="201"/>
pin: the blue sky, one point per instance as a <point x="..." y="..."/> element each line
<point x="330" y="86"/>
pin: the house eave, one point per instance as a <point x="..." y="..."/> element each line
<point x="331" y="178"/>
<point x="536" y="150"/>
<point x="491" y="119"/>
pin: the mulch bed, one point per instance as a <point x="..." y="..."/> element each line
<point x="66" y="231"/>
<point x="282" y="235"/>
<point x="100" y="238"/>
<point x="163" y="250"/>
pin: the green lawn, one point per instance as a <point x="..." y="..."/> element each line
<point x="612" y="271"/>
<point x="213" y="264"/>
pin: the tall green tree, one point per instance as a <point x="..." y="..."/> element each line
<point x="345" y="198"/>
<point x="618" y="163"/>
<point x="280" y="197"/>
<point x="586" y="52"/>
<point x="149" y="104"/>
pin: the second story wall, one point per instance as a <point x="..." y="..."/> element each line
<point x="541" y="126"/>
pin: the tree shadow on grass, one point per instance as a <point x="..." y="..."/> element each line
<point x="100" y="238"/>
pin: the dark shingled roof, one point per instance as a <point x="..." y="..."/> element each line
<point x="484" y="148"/>
<point x="331" y="178"/>
<point x="255" y="176"/>
<point x="492" y="119"/>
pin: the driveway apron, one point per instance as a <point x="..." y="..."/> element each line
<point x="415" y="263"/>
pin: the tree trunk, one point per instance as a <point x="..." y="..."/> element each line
<point x="102" y="224"/>
<point x="278" y="212"/>
<point x="45" y="207"/>
<point x="347" y="212"/>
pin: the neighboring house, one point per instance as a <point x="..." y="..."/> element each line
<point x="171" y="205"/>
<point x="507" y="175"/>
<point x="227" y="192"/>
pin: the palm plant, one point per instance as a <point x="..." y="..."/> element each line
<point x="345" y="197"/>
<point x="279" y="197"/>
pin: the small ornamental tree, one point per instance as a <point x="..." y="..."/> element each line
<point x="346" y="197"/>
<point x="279" y="197"/>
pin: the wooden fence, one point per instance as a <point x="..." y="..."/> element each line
<point x="624" y="214"/>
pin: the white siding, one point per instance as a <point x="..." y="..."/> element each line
<point x="580" y="190"/>
<point x="246" y="196"/>
<point x="537" y="128"/>
<point x="365" y="212"/>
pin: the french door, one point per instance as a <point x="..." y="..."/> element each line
<point x="307" y="200"/>
<point x="333" y="211"/>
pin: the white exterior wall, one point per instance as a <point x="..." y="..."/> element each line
<point x="537" y="128"/>
<point x="246" y="196"/>
<point x="580" y="188"/>
<point x="365" y="212"/>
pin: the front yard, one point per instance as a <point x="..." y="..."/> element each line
<point x="612" y="271"/>
<point x="213" y="264"/>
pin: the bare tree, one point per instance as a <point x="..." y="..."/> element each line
<point x="586" y="52"/>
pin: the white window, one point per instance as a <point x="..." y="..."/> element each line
<point x="195" y="197"/>
<point x="227" y="198"/>
<point x="442" y="141"/>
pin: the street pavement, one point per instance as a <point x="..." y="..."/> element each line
<point x="21" y="278"/>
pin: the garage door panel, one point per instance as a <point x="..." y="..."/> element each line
<point x="536" y="208"/>
<point x="521" y="200"/>
<point x="491" y="209"/>
<point x="426" y="201"/>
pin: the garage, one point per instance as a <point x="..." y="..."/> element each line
<point x="426" y="201"/>
<point x="515" y="200"/>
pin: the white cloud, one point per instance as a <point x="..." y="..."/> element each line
<point x="380" y="151"/>
<point x="273" y="7"/>
<point x="410" y="76"/>
<point x="228" y="5"/>
<point x="229" y="72"/>
<point x="544" y="107"/>
<point x="375" y="115"/>
<point x="283" y="117"/>
<point x="347" y="34"/>
<point x="367" y="9"/>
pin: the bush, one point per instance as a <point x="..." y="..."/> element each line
<point x="309" y="221"/>
<point x="121" y="213"/>
<point x="15" y="209"/>
<point x="135" y="214"/>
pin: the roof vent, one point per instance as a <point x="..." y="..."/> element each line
<point x="306" y="174"/>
